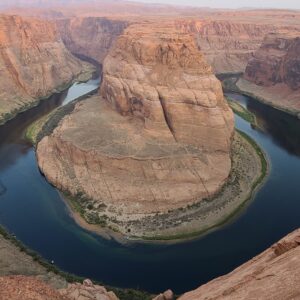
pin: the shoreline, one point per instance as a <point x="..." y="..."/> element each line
<point x="230" y="84"/>
<point x="175" y="235"/>
<point x="80" y="78"/>
<point x="55" y="276"/>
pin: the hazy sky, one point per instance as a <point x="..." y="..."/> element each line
<point x="233" y="3"/>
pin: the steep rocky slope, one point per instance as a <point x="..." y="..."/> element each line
<point x="159" y="138"/>
<point x="273" y="74"/>
<point x="227" y="45"/>
<point x="33" y="63"/>
<point x="91" y="36"/>
<point x="274" y="274"/>
<point x="277" y="61"/>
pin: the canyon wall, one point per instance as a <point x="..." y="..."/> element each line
<point x="227" y="45"/>
<point x="273" y="74"/>
<point x="156" y="139"/>
<point x="276" y="61"/>
<point x="90" y="36"/>
<point x="34" y="63"/>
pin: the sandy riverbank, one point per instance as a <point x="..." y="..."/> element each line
<point x="278" y="96"/>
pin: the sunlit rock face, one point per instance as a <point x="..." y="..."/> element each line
<point x="160" y="77"/>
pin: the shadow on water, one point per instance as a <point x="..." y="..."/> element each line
<point x="33" y="210"/>
<point x="281" y="127"/>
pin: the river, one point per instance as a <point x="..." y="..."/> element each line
<point x="32" y="209"/>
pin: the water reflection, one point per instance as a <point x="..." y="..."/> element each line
<point x="283" y="128"/>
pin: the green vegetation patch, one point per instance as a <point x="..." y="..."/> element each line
<point x="241" y="111"/>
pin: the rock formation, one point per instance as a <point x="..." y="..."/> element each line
<point x="34" y="63"/>
<point x="227" y="45"/>
<point x="20" y="287"/>
<point x="274" y="274"/>
<point x="159" y="138"/>
<point x="277" y="61"/>
<point x="90" y="36"/>
<point x="273" y="74"/>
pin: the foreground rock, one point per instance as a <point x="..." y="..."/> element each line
<point x="87" y="291"/>
<point x="274" y="274"/>
<point x="158" y="139"/>
<point x="21" y="287"/>
<point x="34" y="64"/>
<point x="27" y="288"/>
<point x="273" y="75"/>
<point x="16" y="262"/>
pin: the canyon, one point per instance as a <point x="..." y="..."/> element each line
<point x="273" y="75"/>
<point x="34" y="64"/>
<point x="158" y="139"/>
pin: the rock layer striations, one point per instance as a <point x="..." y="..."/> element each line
<point x="227" y="45"/>
<point x="273" y="75"/>
<point x="34" y="63"/>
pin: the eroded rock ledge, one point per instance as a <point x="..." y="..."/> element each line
<point x="158" y="138"/>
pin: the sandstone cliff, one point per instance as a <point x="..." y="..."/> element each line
<point x="273" y="75"/>
<point x="159" y="76"/>
<point x="90" y="36"/>
<point x="159" y="138"/>
<point x="272" y="275"/>
<point x="33" y="62"/>
<point x="227" y="45"/>
<point x="276" y="61"/>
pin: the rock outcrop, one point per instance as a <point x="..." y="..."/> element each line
<point x="90" y="36"/>
<point x="158" y="138"/>
<point x="34" y="63"/>
<point x="227" y="45"/>
<point x="276" y="61"/>
<point x="159" y="76"/>
<point x="273" y="75"/>
<point x="27" y="288"/>
<point x="20" y="287"/>
<point x="87" y="291"/>
<point x="274" y="274"/>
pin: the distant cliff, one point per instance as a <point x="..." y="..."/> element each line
<point x="273" y="74"/>
<point x="276" y="61"/>
<point x="90" y="36"/>
<point x="227" y="45"/>
<point x="34" y="63"/>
